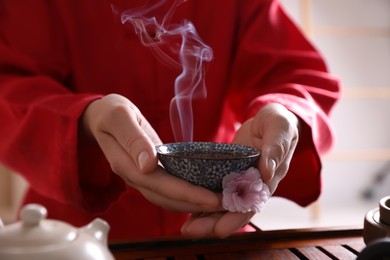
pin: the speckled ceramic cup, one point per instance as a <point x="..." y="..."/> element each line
<point x="206" y="163"/>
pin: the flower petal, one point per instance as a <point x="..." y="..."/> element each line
<point x="244" y="191"/>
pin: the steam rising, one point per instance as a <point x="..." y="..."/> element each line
<point x="178" y="46"/>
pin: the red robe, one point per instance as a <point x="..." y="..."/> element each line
<point x="58" y="56"/>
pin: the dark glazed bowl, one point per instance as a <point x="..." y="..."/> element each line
<point x="206" y="163"/>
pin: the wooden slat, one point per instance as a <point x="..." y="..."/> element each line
<point x="242" y="242"/>
<point x="338" y="252"/>
<point x="186" y="257"/>
<point x="282" y="254"/>
<point x="225" y="256"/>
<point x="311" y="252"/>
<point x="254" y="226"/>
<point x="355" y="246"/>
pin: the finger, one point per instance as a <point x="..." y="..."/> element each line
<point x="231" y="222"/>
<point x="119" y="160"/>
<point x="171" y="204"/>
<point x="272" y="154"/>
<point x="134" y="134"/>
<point x="280" y="172"/>
<point x="201" y="225"/>
<point x="277" y="128"/>
<point x="220" y="224"/>
<point x="158" y="181"/>
<point x="171" y="187"/>
<point x="279" y="142"/>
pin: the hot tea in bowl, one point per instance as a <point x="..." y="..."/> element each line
<point x="206" y="163"/>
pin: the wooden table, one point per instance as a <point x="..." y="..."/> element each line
<point x="335" y="243"/>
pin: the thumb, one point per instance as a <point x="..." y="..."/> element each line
<point x="145" y="155"/>
<point x="145" y="158"/>
<point x="267" y="165"/>
<point x="136" y="136"/>
<point x="140" y="145"/>
<point x="271" y="167"/>
<point x="118" y="117"/>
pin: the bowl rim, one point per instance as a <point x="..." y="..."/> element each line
<point x="252" y="152"/>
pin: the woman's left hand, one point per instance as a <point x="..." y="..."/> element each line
<point x="274" y="131"/>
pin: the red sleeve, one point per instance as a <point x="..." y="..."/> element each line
<point x="286" y="69"/>
<point x="39" y="112"/>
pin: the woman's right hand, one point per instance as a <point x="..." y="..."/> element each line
<point x="128" y="142"/>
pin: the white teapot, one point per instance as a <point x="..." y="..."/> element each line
<point x="36" y="237"/>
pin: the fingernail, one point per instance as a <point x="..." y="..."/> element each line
<point x="143" y="158"/>
<point x="272" y="165"/>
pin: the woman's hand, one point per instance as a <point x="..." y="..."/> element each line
<point x="273" y="131"/>
<point x="128" y="142"/>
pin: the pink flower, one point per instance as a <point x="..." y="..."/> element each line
<point x="244" y="191"/>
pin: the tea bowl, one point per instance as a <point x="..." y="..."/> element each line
<point x="206" y="163"/>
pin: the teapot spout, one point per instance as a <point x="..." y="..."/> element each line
<point x="98" y="229"/>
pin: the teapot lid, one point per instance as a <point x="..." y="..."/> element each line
<point x="34" y="230"/>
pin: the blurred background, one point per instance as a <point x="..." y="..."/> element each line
<point x="354" y="36"/>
